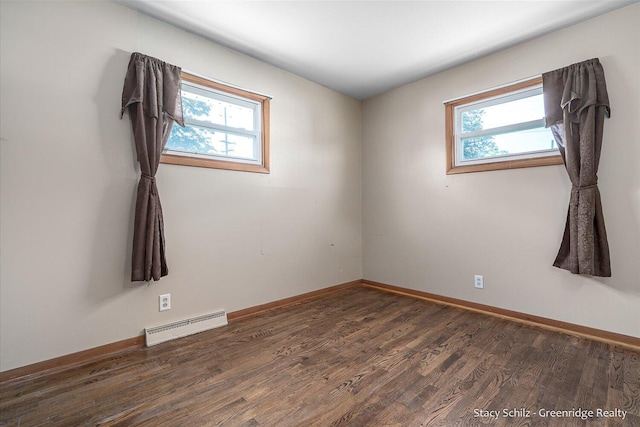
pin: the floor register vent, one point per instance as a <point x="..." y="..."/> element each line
<point x="186" y="327"/>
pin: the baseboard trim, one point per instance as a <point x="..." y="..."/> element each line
<point x="70" y="360"/>
<point x="235" y="315"/>
<point x="93" y="354"/>
<point x="612" y="338"/>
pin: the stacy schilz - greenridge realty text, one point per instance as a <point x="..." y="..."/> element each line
<point x="583" y="414"/>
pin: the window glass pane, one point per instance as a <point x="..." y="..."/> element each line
<point x="202" y="108"/>
<point x="518" y="111"/>
<point x="525" y="141"/>
<point x="200" y="140"/>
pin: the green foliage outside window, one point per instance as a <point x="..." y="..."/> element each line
<point x="191" y="139"/>
<point x="477" y="148"/>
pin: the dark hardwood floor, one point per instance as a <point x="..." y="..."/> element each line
<point x="356" y="357"/>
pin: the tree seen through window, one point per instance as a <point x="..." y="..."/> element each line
<point x="483" y="146"/>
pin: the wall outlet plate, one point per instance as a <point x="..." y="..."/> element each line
<point x="479" y="281"/>
<point x="164" y="302"/>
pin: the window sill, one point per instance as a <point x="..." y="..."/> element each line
<point x="511" y="164"/>
<point x="214" y="164"/>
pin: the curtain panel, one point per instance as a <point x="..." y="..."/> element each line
<point x="576" y="104"/>
<point x="151" y="93"/>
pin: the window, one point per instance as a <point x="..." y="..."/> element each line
<point x="225" y="128"/>
<point x="499" y="129"/>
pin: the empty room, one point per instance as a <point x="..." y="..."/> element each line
<point x="319" y="213"/>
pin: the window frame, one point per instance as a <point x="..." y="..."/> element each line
<point x="262" y="166"/>
<point x="533" y="160"/>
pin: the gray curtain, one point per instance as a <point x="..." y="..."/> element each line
<point x="152" y="94"/>
<point x="576" y="103"/>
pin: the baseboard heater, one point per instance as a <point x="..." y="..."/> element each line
<point x="186" y="327"/>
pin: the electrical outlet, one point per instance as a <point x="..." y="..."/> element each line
<point x="479" y="281"/>
<point x="164" y="302"/>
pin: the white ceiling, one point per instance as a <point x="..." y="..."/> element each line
<point x="363" y="48"/>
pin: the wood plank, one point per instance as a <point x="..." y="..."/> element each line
<point x="65" y="362"/>
<point x="355" y="356"/>
<point x="87" y="356"/>
<point x="529" y="319"/>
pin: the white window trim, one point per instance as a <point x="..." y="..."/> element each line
<point x="232" y="99"/>
<point x="501" y="94"/>
<point x="497" y="100"/>
<point x="258" y="102"/>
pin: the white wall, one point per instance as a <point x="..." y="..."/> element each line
<point x="428" y="231"/>
<point x="69" y="174"/>
<point x="235" y="240"/>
